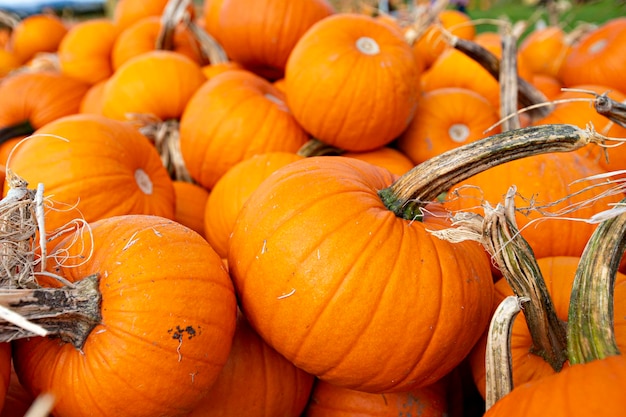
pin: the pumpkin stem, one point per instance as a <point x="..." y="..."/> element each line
<point x="498" y="363"/>
<point x="171" y="17"/>
<point x="590" y="321"/>
<point x="498" y="233"/>
<point x="69" y="313"/>
<point x="315" y="147"/>
<point x="509" y="80"/>
<point x="614" y="110"/>
<point x="425" y="182"/>
<point x="15" y="130"/>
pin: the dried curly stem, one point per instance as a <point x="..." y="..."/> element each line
<point x="424" y="183"/>
<point x="498" y="365"/>
<point x="498" y="233"/>
<point x="590" y="325"/>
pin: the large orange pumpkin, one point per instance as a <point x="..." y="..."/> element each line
<point x="158" y="83"/>
<point x="37" y="33"/>
<point x="260" y="34"/>
<point x="445" y="119"/>
<point x="29" y="100"/>
<point x="94" y="167"/>
<point x="128" y="12"/>
<point x="167" y="321"/>
<point x="346" y="290"/>
<point x="231" y="117"/>
<point x="352" y="82"/>
<point x="85" y="51"/>
<point x="274" y="386"/>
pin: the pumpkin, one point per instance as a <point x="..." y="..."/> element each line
<point x="158" y="83"/>
<point x="274" y="386"/>
<point x="18" y="400"/>
<point x="387" y="157"/>
<point x="8" y="62"/>
<point x="85" y="51"/>
<point x="445" y="119"/>
<point x="431" y="44"/>
<point x="540" y="180"/>
<point x="36" y="33"/>
<point x="357" y="276"/>
<point x="142" y="37"/>
<point x="29" y="100"/>
<point x="127" y="12"/>
<point x="597" y="57"/>
<point x="558" y="273"/>
<point x="544" y="50"/>
<point x="260" y="34"/>
<point x="352" y="81"/>
<point x="550" y="86"/>
<point x="191" y="199"/>
<point x="94" y="167"/>
<point x="231" y="192"/>
<point x="211" y="70"/>
<point x="232" y="117"/>
<point x="167" y="322"/>
<point x="92" y="101"/>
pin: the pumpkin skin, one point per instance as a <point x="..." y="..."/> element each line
<point x="231" y="117"/>
<point x="36" y="33"/>
<point x="8" y="62"/>
<point x="190" y="202"/>
<point x="128" y="12"/>
<point x="260" y="34"/>
<point x="158" y="83"/>
<point x="544" y="50"/>
<point x="558" y="273"/>
<point x="85" y="51"/>
<point x="138" y="361"/>
<point x="18" y="400"/>
<point x="597" y="58"/>
<point x="231" y="192"/>
<point x="387" y="157"/>
<point x="591" y="389"/>
<point x="142" y="37"/>
<point x="274" y="386"/>
<point x="545" y="178"/>
<point x="329" y="400"/>
<point x="92" y="101"/>
<point x="352" y="81"/>
<point x="105" y="168"/>
<point x="39" y="98"/>
<point x="447" y="118"/>
<point x="357" y="296"/>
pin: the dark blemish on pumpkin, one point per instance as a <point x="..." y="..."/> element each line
<point x="179" y="332"/>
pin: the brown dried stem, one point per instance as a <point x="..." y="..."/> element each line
<point x="508" y="80"/>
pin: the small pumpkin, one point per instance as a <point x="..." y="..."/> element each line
<point x="37" y="33"/>
<point x="85" y="51"/>
<point x="166" y="327"/>
<point x="127" y="12"/>
<point x="351" y="81"/>
<point x="236" y="111"/>
<point x="260" y="34"/>
<point x="387" y="157"/>
<point x="191" y="199"/>
<point x="274" y="386"/>
<point x="8" y="62"/>
<point x="445" y="119"/>
<point x="158" y="83"/>
<point x="544" y="50"/>
<point x="92" y="101"/>
<point x="94" y="167"/>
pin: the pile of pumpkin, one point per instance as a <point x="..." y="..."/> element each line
<point x="257" y="188"/>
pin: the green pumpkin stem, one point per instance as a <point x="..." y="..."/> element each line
<point x="498" y="364"/>
<point x="498" y="233"/>
<point x="16" y="130"/>
<point x="590" y="321"/>
<point x="423" y="184"/>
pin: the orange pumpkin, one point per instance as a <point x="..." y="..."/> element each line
<point x="37" y="33"/>
<point x="352" y="82"/>
<point x="92" y="101"/>
<point x="102" y="168"/>
<point x="29" y="100"/>
<point x="358" y="296"/>
<point x="127" y="12"/>
<point x="597" y="58"/>
<point x="329" y="400"/>
<point x="236" y="111"/>
<point x="231" y="192"/>
<point x="8" y="62"/>
<point x="558" y="273"/>
<point x="274" y="386"/>
<point x="387" y="157"/>
<point x="431" y="44"/>
<point x="211" y="70"/>
<point x="167" y="322"/>
<point x="544" y="50"/>
<point x="158" y="83"/>
<point x="445" y="119"/>
<point x="260" y="34"/>
<point x="540" y="180"/>
<point x="141" y="37"/>
<point x="85" y="51"/>
<point x="547" y="84"/>
<point x="190" y="202"/>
